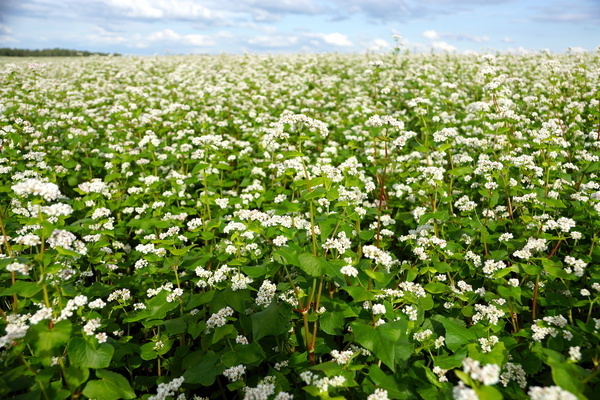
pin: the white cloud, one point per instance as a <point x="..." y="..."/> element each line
<point x="6" y="34"/>
<point x="506" y="39"/>
<point x="273" y="41"/>
<point x="379" y="45"/>
<point x="443" y="46"/>
<point x="336" y="39"/>
<point x="164" y="37"/>
<point x="102" y="35"/>
<point x="431" y="34"/>
<point x="170" y="36"/>
<point x="7" y="39"/>
<point x="5" y="29"/>
<point x="161" y="9"/>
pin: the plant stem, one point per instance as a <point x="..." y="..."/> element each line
<point x="534" y="299"/>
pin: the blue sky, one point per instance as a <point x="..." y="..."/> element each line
<point x="148" y="27"/>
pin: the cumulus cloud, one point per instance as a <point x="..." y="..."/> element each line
<point x="4" y="29"/>
<point x="335" y="39"/>
<point x="102" y="35"/>
<point x="175" y="10"/>
<point x="254" y="24"/>
<point x="7" y="39"/>
<point x="378" y="45"/>
<point x="150" y="10"/>
<point x="433" y="35"/>
<point x="404" y="10"/>
<point x="164" y="37"/>
<point x="443" y="46"/>
<point x="583" y="11"/>
<point x="170" y="36"/>
<point x="273" y="41"/>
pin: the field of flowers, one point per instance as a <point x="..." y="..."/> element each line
<point x="389" y="226"/>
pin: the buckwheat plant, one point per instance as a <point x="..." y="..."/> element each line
<point x="388" y="226"/>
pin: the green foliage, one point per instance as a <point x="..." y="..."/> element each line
<point x="401" y="226"/>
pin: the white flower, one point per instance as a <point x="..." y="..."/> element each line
<point x="223" y="203"/>
<point x="505" y="237"/>
<point x="550" y="393"/>
<point x="421" y="336"/>
<point x="169" y="389"/>
<point x="91" y="326"/>
<point x="488" y="344"/>
<point x="235" y="373"/>
<point x="575" y="353"/>
<point x="219" y="318"/>
<point x="18" y="267"/>
<point x="265" y="293"/>
<point x="280" y="240"/>
<point x="489" y="374"/>
<point x="101" y="337"/>
<point x="462" y="392"/>
<point x="379" y="394"/>
<point x="378" y="309"/>
<point x="262" y="391"/>
<point x="241" y="339"/>
<point x="341" y="244"/>
<point x="49" y="191"/>
<point x="341" y="357"/>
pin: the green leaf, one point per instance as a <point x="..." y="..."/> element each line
<point x="441" y="215"/>
<point x="395" y="388"/>
<point x="223" y="331"/>
<point x="292" y="154"/>
<point x="47" y="341"/>
<point x="316" y="192"/>
<point x="530" y="269"/>
<point x="566" y="375"/>
<point x="488" y="393"/>
<point x="181" y="251"/>
<point x="156" y="309"/>
<point x="201" y="368"/>
<point x="554" y="203"/>
<point x="76" y="376"/>
<point x="286" y="256"/>
<point x="199" y="299"/>
<point x="272" y="321"/>
<point x="555" y="271"/>
<point x="249" y="354"/>
<point x="311" y="264"/>
<point x="148" y="351"/>
<point x="451" y="361"/>
<point x="83" y="354"/>
<point x="332" y="323"/>
<point x="498" y="355"/>
<point x="66" y="252"/>
<point x="388" y="342"/>
<point x="359" y="293"/>
<point x="460" y="171"/>
<point x="456" y="334"/>
<point x="111" y="386"/>
<point x="436" y="287"/>
<point x="23" y="289"/>
<point x="175" y="326"/>
<point x="567" y="379"/>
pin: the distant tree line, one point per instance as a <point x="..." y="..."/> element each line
<point x="48" y="53"/>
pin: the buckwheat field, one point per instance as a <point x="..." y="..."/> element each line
<point x="379" y="226"/>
